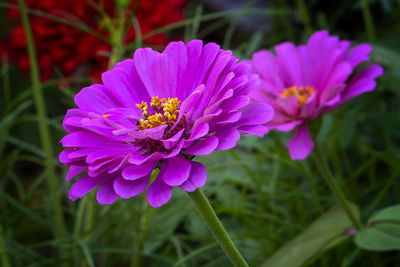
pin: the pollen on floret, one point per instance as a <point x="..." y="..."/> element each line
<point x="165" y="112"/>
<point x="302" y="93"/>
<point x="106" y="115"/>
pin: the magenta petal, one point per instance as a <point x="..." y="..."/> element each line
<point x="94" y="98"/>
<point x="359" y="54"/>
<point x="133" y="172"/>
<point x="74" y="171"/>
<point x="203" y="147"/>
<point x="199" y="130"/>
<point x="289" y="105"/>
<point x="159" y="192"/>
<point x="175" y="171"/>
<point x="362" y="82"/>
<point x="127" y="189"/>
<point x="156" y="133"/>
<point x="308" y="110"/>
<point x="230" y="117"/>
<point x="235" y="103"/>
<point x="174" y="152"/>
<point x="227" y="138"/>
<point x="171" y="142"/>
<point x="265" y="64"/>
<point x="85" y="184"/>
<point x="329" y="93"/>
<point x="257" y="113"/>
<point x="301" y="144"/>
<point x="122" y="164"/>
<point x="197" y="177"/>
<point x="188" y="106"/>
<point x="289" y="61"/>
<point x="88" y="139"/>
<point x="254" y="129"/>
<point x="106" y="194"/>
<point x="288" y="126"/>
<point x="340" y="74"/>
<point x="138" y="159"/>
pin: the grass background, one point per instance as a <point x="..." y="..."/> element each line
<point x="263" y="198"/>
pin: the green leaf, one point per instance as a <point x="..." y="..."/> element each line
<point x="388" y="214"/>
<point x="321" y="235"/>
<point x="379" y="237"/>
<point x="383" y="232"/>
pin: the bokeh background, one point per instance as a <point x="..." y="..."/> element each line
<point x="263" y="198"/>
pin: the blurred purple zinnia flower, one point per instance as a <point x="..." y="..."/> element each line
<point x="302" y="83"/>
<point x="157" y="110"/>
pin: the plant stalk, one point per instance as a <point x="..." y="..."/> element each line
<point x="44" y="130"/>
<point x="216" y="227"/>
<point x="368" y="21"/>
<point x="144" y="221"/>
<point x="323" y="166"/>
<point x="3" y="254"/>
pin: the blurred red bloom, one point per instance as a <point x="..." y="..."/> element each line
<point x="71" y="50"/>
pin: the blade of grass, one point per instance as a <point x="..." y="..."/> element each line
<point x="305" y="17"/>
<point x="216" y="15"/>
<point x="3" y="255"/>
<point x="9" y="120"/>
<point x="196" y="23"/>
<point x="138" y="33"/>
<point x="369" y="23"/>
<point x="6" y="83"/>
<point x="195" y="253"/>
<point x="80" y="26"/>
<point x="178" y="249"/>
<point x="43" y="128"/>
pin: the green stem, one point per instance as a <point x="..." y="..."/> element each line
<point x="6" y="83"/>
<point x="89" y="215"/>
<point x="3" y="255"/>
<point x="304" y="15"/>
<point x="43" y="128"/>
<point x="216" y="227"/>
<point x="117" y="38"/>
<point x="143" y="226"/>
<point x="369" y="24"/>
<point x="323" y="166"/>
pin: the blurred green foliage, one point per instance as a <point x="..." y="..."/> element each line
<point x="263" y="198"/>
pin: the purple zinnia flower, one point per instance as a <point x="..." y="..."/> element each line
<point x="159" y="110"/>
<point x="302" y="83"/>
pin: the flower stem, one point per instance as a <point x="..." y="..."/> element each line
<point x="323" y="166"/>
<point x="43" y="128"/>
<point x="216" y="227"/>
<point x="117" y="38"/>
<point x="143" y="227"/>
<point x="3" y="255"/>
<point x="305" y="17"/>
<point x="368" y="21"/>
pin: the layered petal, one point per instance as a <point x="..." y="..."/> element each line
<point x="197" y="177"/>
<point x="301" y="144"/>
<point x="158" y="110"/>
<point x="312" y="79"/>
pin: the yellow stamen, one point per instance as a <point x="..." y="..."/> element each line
<point x="156" y="103"/>
<point x="302" y="93"/>
<point x="166" y="112"/>
<point x="106" y="115"/>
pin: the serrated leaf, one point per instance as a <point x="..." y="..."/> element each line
<point x="322" y="234"/>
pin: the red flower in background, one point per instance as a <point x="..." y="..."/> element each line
<point x="73" y="51"/>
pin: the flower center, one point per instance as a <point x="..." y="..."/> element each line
<point x="302" y="93"/>
<point x="165" y="112"/>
